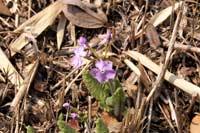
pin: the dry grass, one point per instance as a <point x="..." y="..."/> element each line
<point x="152" y="43"/>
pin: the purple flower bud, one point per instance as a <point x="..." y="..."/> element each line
<point x="82" y="41"/>
<point x="103" y="71"/>
<point x="66" y="105"/>
<point x="74" y="115"/>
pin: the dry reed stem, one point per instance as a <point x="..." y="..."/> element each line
<point x="170" y="77"/>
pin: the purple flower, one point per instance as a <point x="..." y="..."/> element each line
<point x="76" y="61"/>
<point x="82" y="41"/>
<point x="80" y="52"/>
<point x="74" y="115"/>
<point x="66" y="105"/>
<point x="108" y="36"/>
<point x="103" y="71"/>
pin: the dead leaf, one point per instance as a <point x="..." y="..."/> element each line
<point x="25" y="85"/>
<point x="196" y="35"/>
<point x="195" y="124"/>
<point x="37" y="24"/>
<point x="183" y="22"/>
<point x="164" y="14"/>
<point x="7" y="67"/>
<point x="145" y="79"/>
<point x="61" y="31"/>
<point x="153" y="36"/>
<point x="79" y="14"/>
<point x="111" y="122"/>
<point x="4" y="9"/>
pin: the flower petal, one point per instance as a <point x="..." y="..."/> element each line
<point x="80" y="52"/>
<point x="97" y="75"/>
<point x="76" y="61"/>
<point x="108" y="36"/>
<point x="82" y="40"/>
<point x="110" y="75"/>
<point x="100" y="65"/>
<point x="108" y="65"/>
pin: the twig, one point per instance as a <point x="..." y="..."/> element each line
<point x="29" y="8"/>
<point x="89" y="113"/>
<point x="170" y="124"/>
<point x="57" y="84"/>
<point x="186" y="47"/>
<point x="24" y="87"/>
<point x="161" y="75"/>
<point x="173" y="112"/>
<point x="149" y="116"/>
<point x="70" y="84"/>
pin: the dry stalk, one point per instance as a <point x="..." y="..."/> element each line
<point x="161" y="75"/>
<point x="167" y="119"/>
<point x="170" y="77"/>
<point x="25" y="86"/>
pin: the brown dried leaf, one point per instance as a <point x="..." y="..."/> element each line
<point x="60" y="31"/>
<point x="196" y="35"/>
<point x="164" y="14"/>
<point x="4" y="9"/>
<point x="144" y="77"/>
<point x="195" y="124"/>
<point x="111" y="122"/>
<point x="153" y="36"/>
<point x="7" y="67"/>
<point x="37" y="24"/>
<point x="79" y="14"/>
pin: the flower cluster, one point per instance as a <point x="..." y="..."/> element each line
<point x="103" y="70"/>
<point x="79" y="53"/>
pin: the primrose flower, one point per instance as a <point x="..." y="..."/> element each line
<point x="76" y="61"/>
<point x="103" y="71"/>
<point x="66" y="105"/>
<point x="74" y="115"/>
<point x="82" y="41"/>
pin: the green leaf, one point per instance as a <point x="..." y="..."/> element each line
<point x="63" y="127"/>
<point x="117" y="101"/>
<point x="97" y="90"/>
<point x="29" y="129"/>
<point x="101" y="127"/>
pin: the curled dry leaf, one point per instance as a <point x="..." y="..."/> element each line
<point x="195" y="124"/>
<point x="81" y="15"/>
<point x="3" y="9"/>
